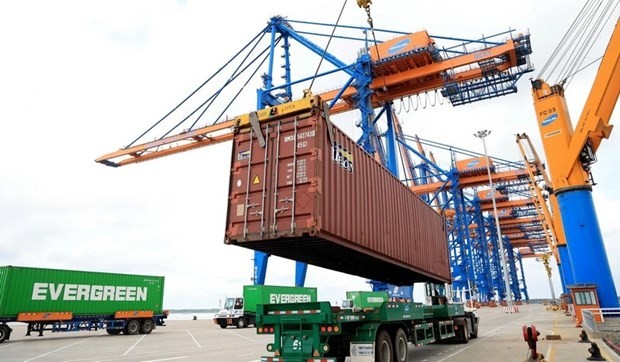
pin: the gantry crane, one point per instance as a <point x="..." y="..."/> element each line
<point x="570" y="152"/>
<point x="474" y="256"/>
<point x="411" y="64"/>
<point x="546" y="203"/>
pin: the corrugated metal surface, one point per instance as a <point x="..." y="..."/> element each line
<point x="312" y="195"/>
<point x="269" y="294"/>
<point x="29" y="290"/>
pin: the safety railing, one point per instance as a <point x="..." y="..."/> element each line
<point x="596" y="320"/>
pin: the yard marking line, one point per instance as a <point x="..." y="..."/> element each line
<point x="166" y="359"/>
<point x="487" y="335"/>
<point x="195" y="341"/>
<point x="134" y="345"/>
<point x="549" y="354"/>
<point x="56" y="350"/>
<point x="238" y="335"/>
<point x="10" y="344"/>
<point x="246" y="354"/>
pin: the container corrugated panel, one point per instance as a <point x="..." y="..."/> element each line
<point x="312" y="195"/>
<point x="30" y="290"/>
<point x="275" y="294"/>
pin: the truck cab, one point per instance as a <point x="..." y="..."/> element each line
<point x="232" y="314"/>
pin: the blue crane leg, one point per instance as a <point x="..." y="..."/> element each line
<point x="300" y="273"/>
<point x="260" y="267"/>
<point x="585" y="244"/>
<point x="567" y="268"/>
<point x="561" y="271"/>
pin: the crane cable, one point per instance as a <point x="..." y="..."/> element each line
<point x="365" y="4"/>
<point x="331" y="36"/>
<point x="567" y="58"/>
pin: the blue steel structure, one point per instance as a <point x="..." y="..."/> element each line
<point x="523" y="230"/>
<point x="383" y="145"/>
<point x="465" y="71"/>
<point x="474" y="258"/>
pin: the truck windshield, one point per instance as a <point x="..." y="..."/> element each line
<point x="229" y="303"/>
<point x="233" y="303"/>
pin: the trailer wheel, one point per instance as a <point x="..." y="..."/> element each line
<point x="113" y="332"/>
<point x="147" y="326"/>
<point x="383" y="347"/>
<point x="133" y="327"/>
<point x="5" y="332"/>
<point x="401" y="346"/>
<point x="241" y="323"/>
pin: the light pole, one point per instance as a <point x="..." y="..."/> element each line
<point x="482" y="134"/>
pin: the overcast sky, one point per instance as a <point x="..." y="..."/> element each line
<point x="79" y="79"/>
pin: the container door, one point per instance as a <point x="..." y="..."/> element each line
<point x="274" y="186"/>
<point x="294" y="194"/>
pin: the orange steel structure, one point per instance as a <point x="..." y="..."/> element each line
<point x="392" y="79"/>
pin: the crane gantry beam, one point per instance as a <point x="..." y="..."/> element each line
<point x="471" y="181"/>
<point x="403" y="74"/>
<point x="510" y="204"/>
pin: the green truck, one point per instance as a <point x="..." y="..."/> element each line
<point x="69" y="300"/>
<point x="367" y="328"/>
<point x="241" y="311"/>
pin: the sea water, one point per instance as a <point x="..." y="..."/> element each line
<point x="187" y="316"/>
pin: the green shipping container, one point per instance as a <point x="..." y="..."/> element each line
<point x="272" y="294"/>
<point x="365" y="299"/>
<point x="30" y="290"/>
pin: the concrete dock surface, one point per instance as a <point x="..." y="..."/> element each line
<point x="500" y="338"/>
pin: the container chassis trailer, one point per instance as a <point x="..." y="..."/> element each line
<point x="69" y="300"/>
<point x="311" y="331"/>
<point x="131" y="323"/>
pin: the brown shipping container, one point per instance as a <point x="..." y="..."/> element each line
<point x="313" y="195"/>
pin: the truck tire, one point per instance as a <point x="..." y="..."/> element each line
<point x="401" y="346"/>
<point x="241" y="323"/>
<point x="474" y="328"/>
<point x="133" y="327"/>
<point x="383" y="347"/>
<point x="5" y="333"/>
<point x="113" y="331"/>
<point x="147" y="326"/>
<point x="223" y="324"/>
<point x="464" y="334"/>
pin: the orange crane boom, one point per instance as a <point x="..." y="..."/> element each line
<point x="415" y="72"/>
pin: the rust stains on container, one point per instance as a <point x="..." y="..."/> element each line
<point x="310" y="194"/>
